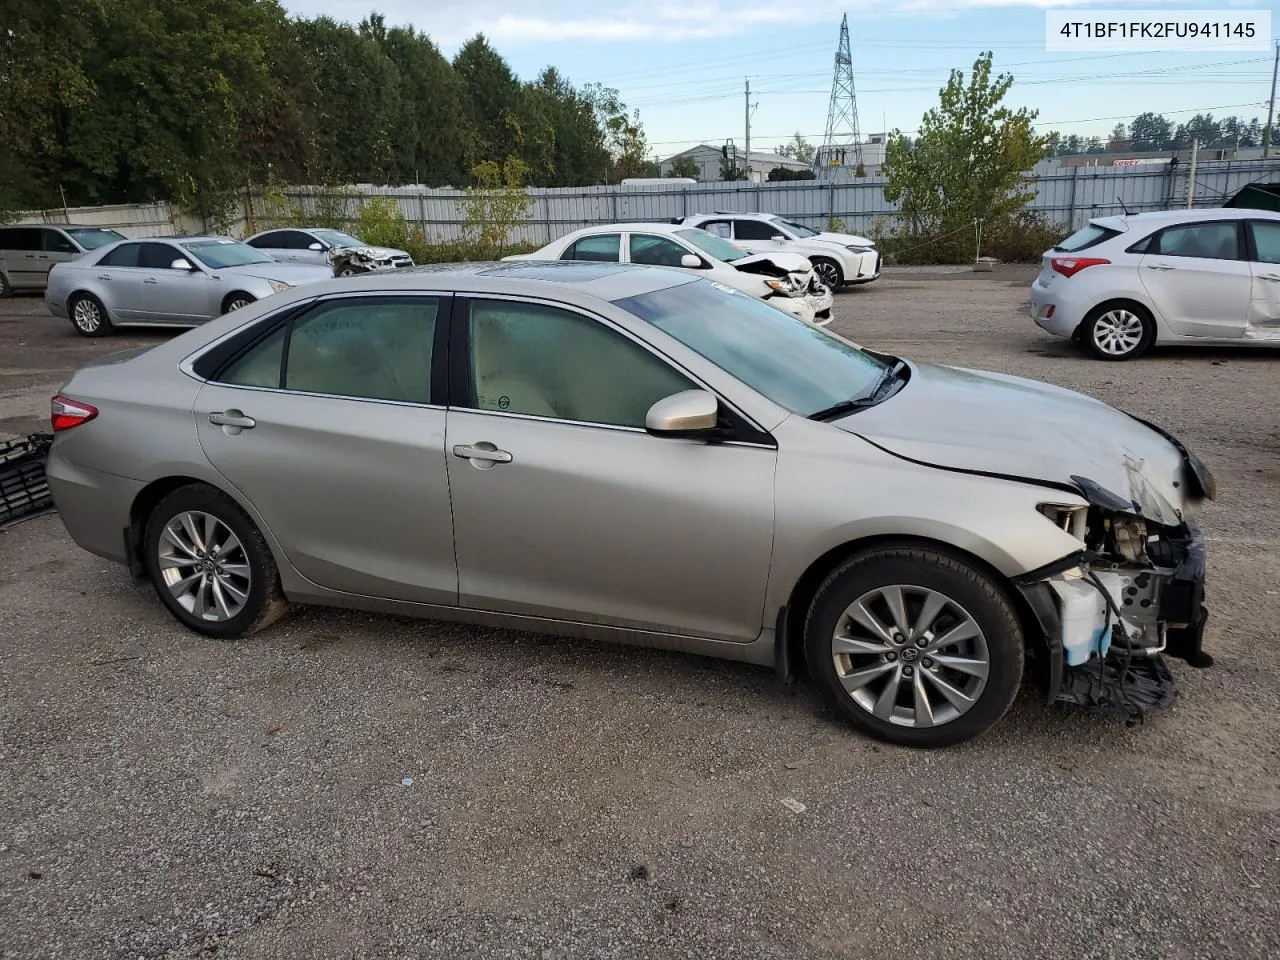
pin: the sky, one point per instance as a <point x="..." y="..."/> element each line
<point x="684" y="63"/>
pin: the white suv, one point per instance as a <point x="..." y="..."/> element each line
<point x="837" y="258"/>
<point x="1179" y="276"/>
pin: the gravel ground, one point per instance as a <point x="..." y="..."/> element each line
<point x="354" y="786"/>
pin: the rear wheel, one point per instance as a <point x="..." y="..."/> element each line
<point x="1118" y="331"/>
<point x="210" y="566"/>
<point x="88" y="315"/>
<point x="915" y="646"/>
<point x="829" y="272"/>
<point x="6" y="289"/>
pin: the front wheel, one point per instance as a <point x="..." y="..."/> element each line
<point x="235" y="301"/>
<point x="210" y="566"/>
<point x="915" y="646"/>
<point x="1118" y="331"/>
<point x="829" y="272"/>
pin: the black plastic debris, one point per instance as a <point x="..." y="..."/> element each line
<point x="1116" y="684"/>
<point x="23" y="489"/>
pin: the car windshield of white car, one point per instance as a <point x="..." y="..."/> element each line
<point x="336" y="238"/>
<point x="717" y="247"/>
<point x="225" y="253"/>
<point x="795" y="364"/>
<point x="91" y="238"/>
<point x="800" y="230"/>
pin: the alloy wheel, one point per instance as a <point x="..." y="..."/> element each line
<point x="829" y="274"/>
<point x="237" y="303"/>
<point x="910" y="656"/>
<point x="204" y="566"/>
<point x="1118" y="332"/>
<point x="86" y="315"/>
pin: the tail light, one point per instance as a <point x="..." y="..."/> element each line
<point x="65" y="413"/>
<point x="1070" y="266"/>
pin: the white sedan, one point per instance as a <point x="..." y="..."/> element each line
<point x="783" y="280"/>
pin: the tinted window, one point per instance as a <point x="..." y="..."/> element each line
<point x="656" y="251"/>
<point x="1209" y="241"/>
<point x="754" y="230"/>
<point x="1266" y="241"/>
<point x="20" y="238"/>
<point x="1144" y="246"/>
<point x="379" y="348"/>
<point x="55" y="242"/>
<point x="1086" y="237"/>
<point x="260" y="366"/>
<point x="125" y="255"/>
<point x="268" y="241"/>
<point x="532" y="359"/>
<point x="158" y="256"/>
<point x="796" y="365"/>
<point x="602" y="247"/>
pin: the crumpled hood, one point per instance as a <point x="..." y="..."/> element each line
<point x="293" y="274"/>
<point x="844" y="239"/>
<point x="377" y="253"/>
<point x="992" y="423"/>
<point x="790" y="262"/>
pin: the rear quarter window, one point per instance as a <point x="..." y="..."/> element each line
<point x="1089" y="236"/>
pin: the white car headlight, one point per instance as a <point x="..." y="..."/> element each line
<point x="857" y="249"/>
<point x="279" y="286"/>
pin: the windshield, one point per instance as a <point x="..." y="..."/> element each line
<point x="799" y="229"/>
<point x="796" y="365"/>
<point x="91" y="238"/>
<point x="225" y="253"/>
<point x="714" y="246"/>
<point x="336" y="238"/>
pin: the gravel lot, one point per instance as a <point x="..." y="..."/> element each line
<point x="163" y="795"/>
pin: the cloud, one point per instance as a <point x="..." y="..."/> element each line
<point x="511" y="23"/>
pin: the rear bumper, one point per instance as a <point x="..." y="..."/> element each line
<point x="94" y="506"/>
<point x="1054" y="310"/>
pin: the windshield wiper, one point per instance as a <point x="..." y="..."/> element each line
<point x="887" y="376"/>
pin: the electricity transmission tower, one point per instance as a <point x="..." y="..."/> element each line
<point x="842" y="145"/>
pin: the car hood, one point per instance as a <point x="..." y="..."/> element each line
<point x="377" y="253"/>
<point x="844" y="239"/>
<point x="290" y="273"/>
<point x="790" y="262"/>
<point x="984" y="422"/>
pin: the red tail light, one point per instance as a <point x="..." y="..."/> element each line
<point x="65" y="413"/>
<point x="1070" y="266"/>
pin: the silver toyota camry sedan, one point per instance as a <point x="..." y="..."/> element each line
<point x="631" y="454"/>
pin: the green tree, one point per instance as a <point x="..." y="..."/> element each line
<point x="797" y="148"/>
<point x="495" y="206"/>
<point x="731" y="171"/>
<point x="1150" y="131"/>
<point x="493" y="101"/>
<point x="623" y="135"/>
<point x="427" y="142"/>
<point x="1118" y="142"/>
<point x="684" y="166"/>
<point x="970" y="159"/>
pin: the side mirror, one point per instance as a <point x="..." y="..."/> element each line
<point x="181" y="264"/>
<point x="689" y="414"/>
<point x="317" y="246"/>
<point x="690" y="261"/>
<point x="779" y="238"/>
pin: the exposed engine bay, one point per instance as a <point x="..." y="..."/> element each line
<point x="349" y="260"/>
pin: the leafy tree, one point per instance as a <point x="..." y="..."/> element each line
<point x="623" y="135"/>
<point x="797" y="148"/>
<point x="1150" y="131"/>
<point x="1201" y="127"/>
<point x="731" y="171"/>
<point x="684" y="166"/>
<point x="496" y="205"/>
<point x="1118" y="142"/>
<point x="493" y="100"/>
<point x="970" y="159"/>
<point x="783" y="173"/>
<point x="1072" y="144"/>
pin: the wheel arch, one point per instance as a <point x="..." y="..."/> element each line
<point x="1123" y="300"/>
<point x="78" y="292"/>
<point x="226" y="301"/>
<point x="806" y="587"/>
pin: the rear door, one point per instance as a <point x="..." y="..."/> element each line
<point x="329" y="426"/>
<point x="119" y="277"/>
<point x="1264" y="264"/>
<point x="1198" y="278"/>
<point x="26" y="264"/>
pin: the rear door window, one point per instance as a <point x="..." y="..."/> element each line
<point x="602" y="248"/>
<point x="125" y="255"/>
<point x="20" y="238"/>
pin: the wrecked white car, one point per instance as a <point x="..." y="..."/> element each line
<point x="347" y="255"/>
<point x="782" y="279"/>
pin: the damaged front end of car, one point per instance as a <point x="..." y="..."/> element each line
<point x="1112" y="612"/>
<point x="352" y="260"/>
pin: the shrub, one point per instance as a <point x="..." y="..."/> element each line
<point x="1020" y="238"/>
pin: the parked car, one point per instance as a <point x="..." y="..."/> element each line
<point x="28" y="252"/>
<point x="635" y="454"/>
<point x="783" y="280"/>
<point x="167" y="281"/>
<point x="346" y="254"/>
<point x="837" y="258"/>
<point x="1123" y="283"/>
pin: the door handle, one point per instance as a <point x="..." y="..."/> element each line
<point x="484" y="452"/>
<point x="151" y="280"/>
<point x="1160" y="266"/>
<point x="1273" y="277"/>
<point x="104" y="276"/>
<point x="232" y="418"/>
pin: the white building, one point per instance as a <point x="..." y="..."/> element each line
<point x="708" y="159"/>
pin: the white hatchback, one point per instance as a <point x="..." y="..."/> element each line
<point x="1176" y="277"/>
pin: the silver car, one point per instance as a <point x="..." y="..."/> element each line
<point x="323" y="246"/>
<point x="634" y="454"/>
<point x="29" y="251"/>
<point x="170" y="281"/>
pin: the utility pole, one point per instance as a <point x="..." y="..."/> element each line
<point x="748" y="131"/>
<point x="1191" y="173"/>
<point x="1271" y="107"/>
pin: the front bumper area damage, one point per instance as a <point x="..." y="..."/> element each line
<point x="1112" y="613"/>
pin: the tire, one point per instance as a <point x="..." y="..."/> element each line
<point x="1118" y="331"/>
<point x="829" y="273"/>
<point x="233" y="598"/>
<point x="235" y="301"/>
<point x="875" y="681"/>
<point x="88" y="315"/>
<point x="348" y="272"/>
<point x="6" y="288"/>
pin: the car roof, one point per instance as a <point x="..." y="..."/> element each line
<point x="652" y="227"/>
<point x="1152" y="217"/>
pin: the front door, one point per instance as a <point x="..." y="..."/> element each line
<point x="564" y="507"/>
<point x="338" y="445"/>
<point x="1198" y="279"/>
<point x="172" y="295"/>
